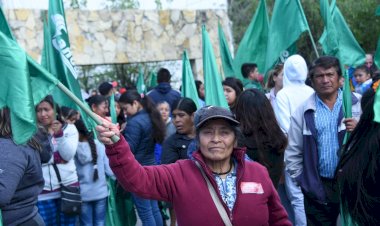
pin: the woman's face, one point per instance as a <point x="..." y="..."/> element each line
<point x="217" y="140"/>
<point x="164" y="110"/>
<point x="230" y="94"/>
<point x="202" y="91"/>
<point x="130" y="109"/>
<point x="278" y="80"/>
<point x="45" y="114"/>
<point x="183" y="122"/>
<point x="101" y="109"/>
<point x="117" y="108"/>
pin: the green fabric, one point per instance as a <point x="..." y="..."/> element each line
<point x="1" y="219"/>
<point x="152" y="80"/>
<point x="120" y="211"/>
<point x="23" y="84"/>
<point x="254" y="85"/>
<point x="337" y="39"/>
<point x="113" y="108"/>
<point x="188" y="84"/>
<point x="57" y="58"/>
<point x="253" y="45"/>
<point x="288" y="22"/>
<point x="214" y="94"/>
<point x="140" y="85"/>
<point x="225" y="54"/>
<point x="378" y="10"/>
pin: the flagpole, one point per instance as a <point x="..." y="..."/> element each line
<point x="308" y="30"/>
<point x="94" y="116"/>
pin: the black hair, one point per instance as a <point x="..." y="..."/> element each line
<point x="82" y="130"/>
<point x="163" y="75"/>
<point x="358" y="168"/>
<point x="364" y="68"/>
<point x="235" y="84"/>
<point x="158" y="132"/>
<point x="96" y="100"/>
<point x="68" y="113"/>
<point x="185" y="104"/>
<point x="325" y="62"/>
<point x="246" y="68"/>
<point x="258" y="122"/>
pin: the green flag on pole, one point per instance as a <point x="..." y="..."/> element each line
<point x="253" y="45"/>
<point x="213" y="85"/>
<point x="225" y="54"/>
<point x="188" y="84"/>
<point x="152" y="79"/>
<point x="23" y="84"/>
<point x="337" y="39"/>
<point x="113" y="108"/>
<point x="57" y="58"/>
<point x="140" y="85"/>
<point x="287" y="24"/>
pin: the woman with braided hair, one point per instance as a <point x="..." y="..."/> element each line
<point x="92" y="167"/>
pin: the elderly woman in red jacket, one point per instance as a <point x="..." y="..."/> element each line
<point x="243" y="191"/>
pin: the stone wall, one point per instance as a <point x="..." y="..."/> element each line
<point x="108" y="37"/>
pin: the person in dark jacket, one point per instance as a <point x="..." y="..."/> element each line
<point x="175" y="146"/>
<point x="21" y="177"/>
<point x="144" y="128"/>
<point x="163" y="91"/>
<point x="262" y="136"/>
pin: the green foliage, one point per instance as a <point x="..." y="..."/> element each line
<point x="78" y="4"/>
<point x="359" y="15"/>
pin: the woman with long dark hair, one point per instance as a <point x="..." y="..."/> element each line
<point x="92" y="167"/>
<point x="358" y="171"/>
<point x="232" y="88"/>
<point x="145" y="127"/>
<point x="64" y="140"/>
<point x="21" y="177"/>
<point x="262" y="136"/>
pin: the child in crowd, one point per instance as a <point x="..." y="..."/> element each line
<point x="363" y="78"/>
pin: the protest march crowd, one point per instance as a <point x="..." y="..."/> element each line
<point x="301" y="147"/>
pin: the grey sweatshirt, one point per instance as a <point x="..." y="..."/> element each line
<point x="21" y="181"/>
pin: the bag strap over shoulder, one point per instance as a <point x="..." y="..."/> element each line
<point x="57" y="172"/>
<point x="219" y="206"/>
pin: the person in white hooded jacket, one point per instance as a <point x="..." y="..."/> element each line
<point x="288" y="99"/>
<point x="64" y="140"/>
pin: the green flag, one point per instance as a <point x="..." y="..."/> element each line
<point x="23" y="84"/>
<point x="378" y="10"/>
<point x="337" y="39"/>
<point x="225" y="54"/>
<point x="377" y="54"/>
<point x="152" y="79"/>
<point x="213" y="85"/>
<point x="253" y="45"/>
<point x="140" y="85"/>
<point x="113" y="108"/>
<point x="376" y="106"/>
<point x="57" y="57"/>
<point x="287" y="24"/>
<point x="347" y="101"/>
<point x="188" y="85"/>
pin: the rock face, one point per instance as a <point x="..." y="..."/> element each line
<point x="129" y="36"/>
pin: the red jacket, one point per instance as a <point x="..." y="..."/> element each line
<point x="182" y="184"/>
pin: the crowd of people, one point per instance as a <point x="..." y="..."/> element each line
<point x="276" y="157"/>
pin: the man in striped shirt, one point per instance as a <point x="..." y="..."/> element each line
<point x="315" y="137"/>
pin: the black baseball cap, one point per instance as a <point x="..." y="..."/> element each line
<point x="213" y="112"/>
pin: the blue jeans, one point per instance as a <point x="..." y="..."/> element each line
<point x="295" y="197"/>
<point x="148" y="211"/>
<point x="93" y="213"/>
